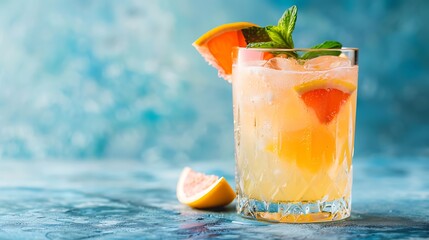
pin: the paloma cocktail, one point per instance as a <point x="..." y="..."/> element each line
<point x="294" y="124"/>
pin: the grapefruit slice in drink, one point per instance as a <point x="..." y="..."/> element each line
<point x="202" y="191"/>
<point x="325" y="97"/>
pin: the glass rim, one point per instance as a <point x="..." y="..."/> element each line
<point x="343" y="49"/>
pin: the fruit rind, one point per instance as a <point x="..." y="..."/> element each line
<point x="344" y="86"/>
<point x="222" y="29"/>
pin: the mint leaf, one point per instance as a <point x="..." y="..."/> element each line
<point x="272" y="45"/>
<point x="263" y="45"/>
<point x="282" y="33"/>
<point x="255" y="34"/>
<point x="324" y="45"/>
<point x="328" y="45"/>
<point x="287" y="24"/>
<point x="276" y="35"/>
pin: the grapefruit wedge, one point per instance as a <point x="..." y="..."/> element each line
<point x="217" y="44"/>
<point x="202" y="191"/>
<point x="325" y="97"/>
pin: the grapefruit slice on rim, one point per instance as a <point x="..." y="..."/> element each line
<point x="202" y="191"/>
<point x="325" y="97"/>
<point x="217" y="44"/>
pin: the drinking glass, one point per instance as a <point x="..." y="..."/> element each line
<point x="294" y="124"/>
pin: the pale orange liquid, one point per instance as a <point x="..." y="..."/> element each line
<point x="283" y="152"/>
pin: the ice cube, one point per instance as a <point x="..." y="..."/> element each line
<point x="281" y="63"/>
<point x="326" y="63"/>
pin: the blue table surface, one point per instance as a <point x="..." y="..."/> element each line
<point x="136" y="200"/>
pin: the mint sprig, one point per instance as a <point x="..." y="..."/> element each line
<point x="280" y="36"/>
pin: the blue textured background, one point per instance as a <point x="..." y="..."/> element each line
<point x="120" y="79"/>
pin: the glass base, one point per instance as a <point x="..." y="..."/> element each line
<point x="294" y="212"/>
